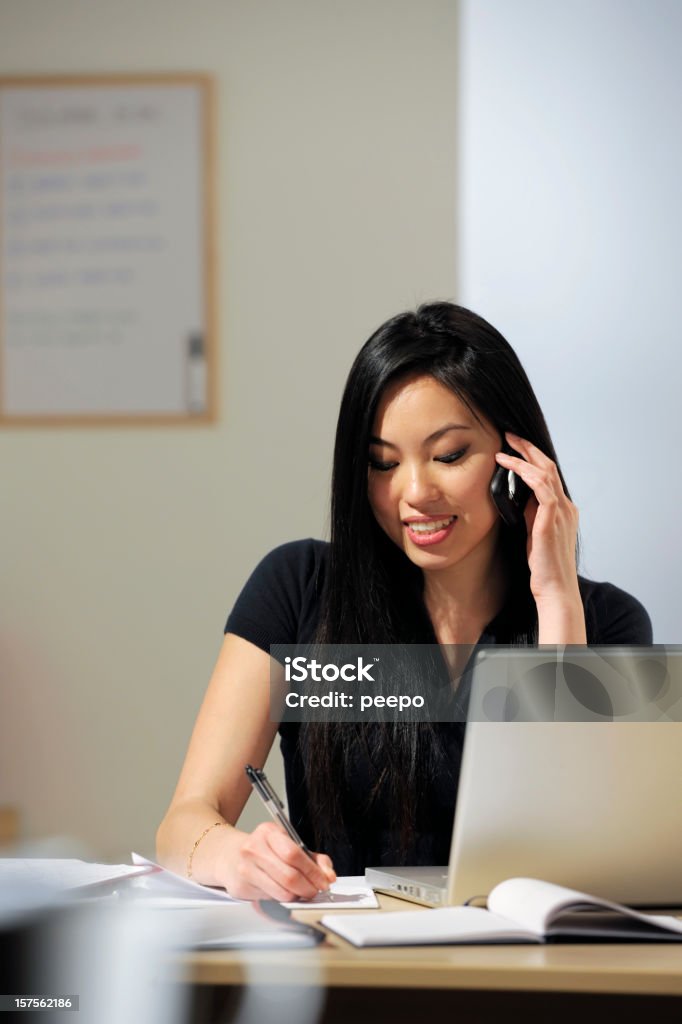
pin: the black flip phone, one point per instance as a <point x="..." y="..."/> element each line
<point x="509" y="492"/>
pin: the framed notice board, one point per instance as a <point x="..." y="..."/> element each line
<point x="107" y="257"/>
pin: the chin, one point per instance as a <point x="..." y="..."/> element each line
<point x="429" y="559"/>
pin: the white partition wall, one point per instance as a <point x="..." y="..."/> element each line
<point x="570" y="222"/>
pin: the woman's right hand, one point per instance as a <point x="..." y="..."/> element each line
<point x="267" y="864"/>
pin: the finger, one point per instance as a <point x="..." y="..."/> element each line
<point x="545" y="485"/>
<point x="275" y="878"/>
<point x="271" y="850"/>
<point x="286" y="877"/>
<point x="327" y="866"/>
<point x="529" y="451"/>
<point x="286" y="863"/>
<point x="293" y="856"/>
<point x="260" y="881"/>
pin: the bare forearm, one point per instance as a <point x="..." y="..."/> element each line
<point x="562" y="621"/>
<point x="178" y="833"/>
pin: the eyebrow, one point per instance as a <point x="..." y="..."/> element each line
<point x="432" y="437"/>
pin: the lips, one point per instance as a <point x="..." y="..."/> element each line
<point x="426" y="531"/>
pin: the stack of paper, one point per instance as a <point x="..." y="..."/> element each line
<point x="66" y="875"/>
<point x="193" y="915"/>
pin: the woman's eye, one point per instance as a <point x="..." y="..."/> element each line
<point x="382" y="467"/>
<point x="452" y="457"/>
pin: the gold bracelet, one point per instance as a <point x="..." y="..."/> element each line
<point x="204" y="833"/>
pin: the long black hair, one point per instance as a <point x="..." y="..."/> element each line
<point x="373" y="593"/>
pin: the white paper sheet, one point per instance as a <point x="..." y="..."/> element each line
<point x="347" y="892"/>
<point x="64" y="874"/>
<point x="162" y="882"/>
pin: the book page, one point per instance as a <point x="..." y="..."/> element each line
<point x="532" y="902"/>
<point x="538" y="905"/>
<point x="612" y="924"/>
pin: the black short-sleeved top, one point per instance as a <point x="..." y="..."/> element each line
<point x="280" y="604"/>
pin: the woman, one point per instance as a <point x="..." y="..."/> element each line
<point x="418" y="554"/>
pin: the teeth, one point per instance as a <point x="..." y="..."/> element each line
<point x="437" y="524"/>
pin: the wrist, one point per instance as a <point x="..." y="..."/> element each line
<point x="561" y="619"/>
<point x="190" y="860"/>
<point x="210" y="852"/>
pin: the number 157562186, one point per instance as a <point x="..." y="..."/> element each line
<point x="38" y="1002"/>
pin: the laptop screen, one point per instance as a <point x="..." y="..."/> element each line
<point x="572" y="773"/>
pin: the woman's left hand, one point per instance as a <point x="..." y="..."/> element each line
<point x="551" y="523"/>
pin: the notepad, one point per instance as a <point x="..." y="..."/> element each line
<point x="519" y="910"/>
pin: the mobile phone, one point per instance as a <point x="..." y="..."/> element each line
<point x="509" y="492"/>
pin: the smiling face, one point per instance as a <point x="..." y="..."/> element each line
<point x="430" y="466"/>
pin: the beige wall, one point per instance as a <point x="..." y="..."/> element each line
<point x="122" y="550"/>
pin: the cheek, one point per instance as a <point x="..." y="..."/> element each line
<point x="475" y="495"/>
<point x="478" y="492"/>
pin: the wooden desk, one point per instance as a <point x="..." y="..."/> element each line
<point x="457" y="984"/>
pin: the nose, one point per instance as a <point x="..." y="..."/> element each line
<point x="421" y="487"/>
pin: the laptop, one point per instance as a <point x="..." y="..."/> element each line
<point x="571" y="772"/>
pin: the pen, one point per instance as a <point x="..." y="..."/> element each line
<point x="274" y="805"/>
<point x="262" y="787"/>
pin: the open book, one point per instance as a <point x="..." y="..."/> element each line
<point x="519" y="910"/>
